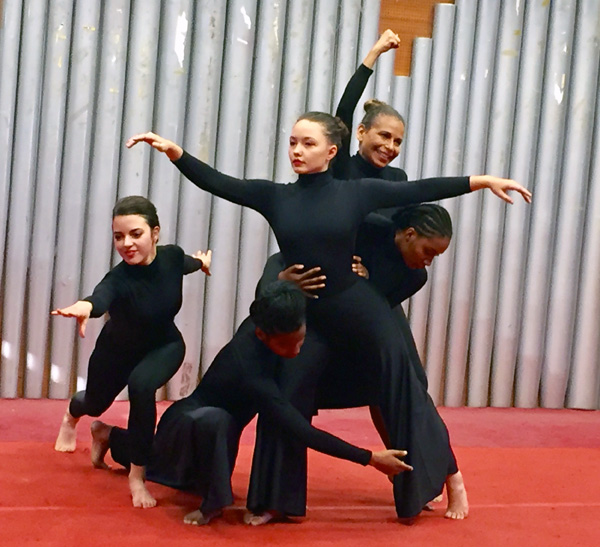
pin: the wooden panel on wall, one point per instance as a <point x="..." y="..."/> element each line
<point x="409" y="19"/>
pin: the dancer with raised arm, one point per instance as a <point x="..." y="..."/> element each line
<point x="139" y="347"/>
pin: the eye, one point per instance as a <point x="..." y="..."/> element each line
<point x="118" y="237"/>
<point x="137" y="234"/>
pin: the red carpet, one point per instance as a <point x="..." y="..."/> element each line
<point x="533" y="478"/>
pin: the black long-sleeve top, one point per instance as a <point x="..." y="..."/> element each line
<point x="356" y="167"/>
<point x="315" y="219"/>
<point x="142" y="300"/>
<point x="242" y="380"/>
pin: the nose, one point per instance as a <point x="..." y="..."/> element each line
<point x="127" y="241"/>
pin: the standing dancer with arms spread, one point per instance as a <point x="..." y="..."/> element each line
<point x="348" y="312"/>
<point x="139" y="347"/>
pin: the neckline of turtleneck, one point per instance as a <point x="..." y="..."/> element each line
<point x="367" y="167"/>
<point x="315" y="179"/>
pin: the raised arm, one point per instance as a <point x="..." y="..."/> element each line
<point x="250" y="193"/>
<point x="356" y="86"/>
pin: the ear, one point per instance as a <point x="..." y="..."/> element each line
<point x="410" y="233"/>
<point x="360" y="132"/>
<point x="155" y="233"/>
<point x="331" y="152"/>
<point x="261" y="335"/>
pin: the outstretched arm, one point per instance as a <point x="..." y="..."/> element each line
<point x="377" y="193"/>
<point x="291" y="421"/>
<point x="251" y="193"/>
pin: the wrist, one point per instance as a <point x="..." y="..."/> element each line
<point x="175" y="152"/>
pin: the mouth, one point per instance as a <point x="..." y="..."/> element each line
<point x="297" y="163"/>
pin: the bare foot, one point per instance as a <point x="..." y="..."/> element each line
<point x="139" y="493"/>
<point x="100" y="446"/>
<point x="458" y="505"/>
<point x="67" y="435"/>
<point x="437" y="499"/>
<point x="198" y="518"/>
<point x="258" y="520"/>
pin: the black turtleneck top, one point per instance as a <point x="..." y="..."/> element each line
<point x="143" y="300"/>
<point x="315" y="219"/>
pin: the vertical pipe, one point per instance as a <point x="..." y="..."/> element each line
<point x="199" y="138"/>
<point x="140" y="86"/>
<point x="577" y="160"/>
<point x="24" y="161"/>
<point x="262" y="135"/>
<point x="79" y="133"/>
<point x="400" y="102"/>
<point x="452" y="165"/>
<point x="419" y="91"/>
<point x="443" y="31"/>
<point x="52" y="120"/>
<point x="322" y="64"/>
<point x="502" y="116"/>
<point x="466" y="239"/>
<point x="542" y="232"/>
<point x="514" y="255"/>
<point x="230" y="158"/>
<point x="584" y="384"/>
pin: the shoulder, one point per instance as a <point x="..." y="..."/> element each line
<point x="395" y="173"/>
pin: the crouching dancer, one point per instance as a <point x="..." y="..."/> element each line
<point x="197" y="440"/>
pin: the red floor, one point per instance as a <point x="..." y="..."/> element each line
<point x="533" y="478"/>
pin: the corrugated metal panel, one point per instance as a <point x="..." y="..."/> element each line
<point x="510" y="314"/>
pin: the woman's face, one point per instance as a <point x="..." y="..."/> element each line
<point x="380" y="144"/>
<point x="134" y="240"/>
<point x="310" y="150"/>
<point x="419" y="251"/>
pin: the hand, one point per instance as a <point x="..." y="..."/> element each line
<point x="309" y="280"/>
<point x="205" y="258"/>
<point x="388" y="40"/>
<point x="81" y="310"/>
<point x="389" y="462"/>
<point x="499" y="187"/>
<point x="172" y="150"/>
<point x="359" y="268"/>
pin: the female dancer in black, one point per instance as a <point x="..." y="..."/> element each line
<point x="381" y="130"/>
<point x="139" y="347"/>
<point x="197" y="439"/>
<point x="315" y="221"/>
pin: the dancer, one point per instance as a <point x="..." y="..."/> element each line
<point x="348" y="312"/>
<point x="197" y="439"/>
<point x="139" y="347"/>
<point x="381" y="130"/>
